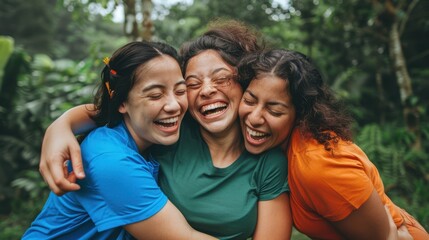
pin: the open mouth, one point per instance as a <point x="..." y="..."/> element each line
<point x="256" y="135"/>
<point x="213" y="108"/>
<point x="168" y="122"/>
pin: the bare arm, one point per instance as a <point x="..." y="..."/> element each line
<point x="370" y="221"/>
<point x="60" y="144"/>
<point x="274" y="219"/>
<point x="167" y="224"/>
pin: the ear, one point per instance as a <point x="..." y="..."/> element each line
<point x="122" y="108"/>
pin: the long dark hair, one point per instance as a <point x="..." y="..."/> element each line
<point x="120" y="75"/>
<point x="318" y="113"/>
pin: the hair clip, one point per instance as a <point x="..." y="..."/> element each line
<point x="106" y="60"/>
<point x="110" y="91"/>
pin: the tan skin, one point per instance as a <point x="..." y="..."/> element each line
<point x="273" y="113"/>
<point x="221" y="133"/>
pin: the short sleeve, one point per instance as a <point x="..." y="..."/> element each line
<point x="272" y="175"/>
<point x="337" y="182"/>
<point x="120" y="189"/>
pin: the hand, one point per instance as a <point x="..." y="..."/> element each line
<point x="60" y="145"/>
<point x="403" y="233"/>
<point x="400" y="233"/>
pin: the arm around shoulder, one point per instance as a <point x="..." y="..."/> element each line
<point x="60" y="144"/>
<point x="167" y="224"/>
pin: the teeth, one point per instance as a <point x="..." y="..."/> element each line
<point x="255" y="133"/>
<point x="212" y="106"/>
<point x="169" y="120"/>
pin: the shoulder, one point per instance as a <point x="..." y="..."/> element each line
<point x="105" y="140"/>
<point x="272" y="156"/>
<point x="272" y="161"/>
<point x="336" y="171"/>
<point x="271" y="173"/>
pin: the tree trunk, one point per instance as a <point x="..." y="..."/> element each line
<point x="381" y="96"/>
<point x="147" y="25"/>
<point x="411" y="115"/>
<point x="130" y="20"/>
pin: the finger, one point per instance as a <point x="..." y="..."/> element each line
<point x="59" y="174"/>
<point x="76" y="159"/>
<point x="403" y="233"/>
<point x="393" y="232"/>
<point x="48" y="180"/>
<point x="66" y="168"/>
<point x="71" y="177"/>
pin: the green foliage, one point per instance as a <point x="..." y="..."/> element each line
<point x="56" y="56"/>
<point x="6" y="48"/>
<point x="404" y="171"/>
<point x="46" y="26"/>
<point x="45" y="88"/>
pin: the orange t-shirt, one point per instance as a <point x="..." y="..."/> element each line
<point x="326" y="187"/>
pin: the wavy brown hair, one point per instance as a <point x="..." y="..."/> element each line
<point x="230" y="38"/>
<point x="318" y="113"/>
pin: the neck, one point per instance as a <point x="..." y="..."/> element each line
<point x="225" y="147"/>
<point x="141" y="143"/>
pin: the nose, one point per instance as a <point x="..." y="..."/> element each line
<point x="207" y="89"/>
<point x="255" y="117"/>
<point x="172" y="104"/>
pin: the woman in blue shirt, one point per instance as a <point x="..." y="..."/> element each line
<point x="141" y="101"/>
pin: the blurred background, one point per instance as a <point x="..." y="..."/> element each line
<point x="374" y="54"/>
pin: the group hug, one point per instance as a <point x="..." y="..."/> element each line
<point x="225" y="138"/>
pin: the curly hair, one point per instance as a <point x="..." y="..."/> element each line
<point x="230" y="38"/>
<point x="318" y="113"/>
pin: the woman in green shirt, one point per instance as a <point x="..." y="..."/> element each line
<point x="220" y="188"/>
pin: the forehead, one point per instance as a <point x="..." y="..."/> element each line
<point x="206" y="62"/>
<point x="162" y="68"/>
<point x="269" y="86"/>
<point x="159" y="65"/>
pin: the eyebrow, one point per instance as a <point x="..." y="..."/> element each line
<point x="269" y="103"/>
<point x="212" y="73"/>
<point x="153" y="86"/>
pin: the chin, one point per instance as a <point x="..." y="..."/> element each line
<point x="169" y="140"/>
<point x="254" y="150"/>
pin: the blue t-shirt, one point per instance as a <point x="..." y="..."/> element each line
<point x="120" y="188"/>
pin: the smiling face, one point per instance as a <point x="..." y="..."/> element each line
<point x="266" y="112"/>
<point x="156" y="103"/>
<point x="213" y="93"/>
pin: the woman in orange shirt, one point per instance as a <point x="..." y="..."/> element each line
<point x="336" y="191"/>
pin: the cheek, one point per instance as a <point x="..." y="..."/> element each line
<point x="183" y="101"/>
<point x="283" y="127"/>
<point x="238" y="93"/>
<point x="234" y="92"/>
<point x="191" y="96"/>
<point x="243" y="109"/>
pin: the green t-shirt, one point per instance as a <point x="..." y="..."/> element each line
<point x="221" y="202"/>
